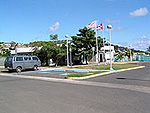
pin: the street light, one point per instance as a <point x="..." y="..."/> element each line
<point x="93" y="49"/>
<point x="130" y="52"/>
<point x="70" y="56"/>
<point x="109" y="27"/>
<point x="67" y="50"/>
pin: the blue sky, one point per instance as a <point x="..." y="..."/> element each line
<point x="26" y="21"/>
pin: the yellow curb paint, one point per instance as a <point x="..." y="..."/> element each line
<point x="105" y="73"/>
<point x="2" y="67"/>
<point x="130" y="68"/>
<point x="96" y="75"/>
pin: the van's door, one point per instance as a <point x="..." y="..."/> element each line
<point x="8" y="62"/>
<point x="19" y="62"/>
<point x="28" y="62"/>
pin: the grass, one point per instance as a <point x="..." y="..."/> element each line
<point x="100" y="67"/>
<point x="96" y="67"/>
<point x="83" y="74"/>
<point x="106" y="67"/>
<point x="53" y="66"/>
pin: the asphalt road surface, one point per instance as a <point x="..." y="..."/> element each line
<point x="140" y="77"/>
<point x="124" y="92"/>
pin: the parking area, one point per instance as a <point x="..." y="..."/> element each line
<point x="40" y="73"/>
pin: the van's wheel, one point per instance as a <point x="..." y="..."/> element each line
<point x="35" y="68"/>
<point x="18" y="69"/>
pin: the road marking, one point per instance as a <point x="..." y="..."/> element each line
<point x="142" y="89"/>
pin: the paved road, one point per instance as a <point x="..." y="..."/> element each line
<point x="97" y="95"/>
<point x="140" y="77"/>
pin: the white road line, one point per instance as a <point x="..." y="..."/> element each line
<point x="142" y="89"/>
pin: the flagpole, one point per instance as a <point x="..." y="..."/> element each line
<point x="103" y="41"/>
<point x="103" y="34"/>
<point x="96" y="43"/>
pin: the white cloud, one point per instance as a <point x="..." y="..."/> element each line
<point x="54" y="27"/>
<point x="142" y="43"/>
<point x="117" y="29"/>
<point x="139" y="12"/>
<point x="112" y="21"/>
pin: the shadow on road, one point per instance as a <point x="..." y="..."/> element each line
<point x="13" y="71"/>
<point x="123" y="78"/>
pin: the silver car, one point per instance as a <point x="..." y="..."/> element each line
<point x="22" y="62"/>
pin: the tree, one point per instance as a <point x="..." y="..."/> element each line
<point x="50" y="50"/>
<point x="120" y="56"/>
<point x="148" y="49"/>
<point x="13" y="45"/>
<point x="53" y="37"/>
<point x="5" y="52"/>
<point x="84" y="41"/>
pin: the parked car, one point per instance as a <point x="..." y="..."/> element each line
<point x="22" y="62"/>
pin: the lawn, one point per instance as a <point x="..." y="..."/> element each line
<point x="100" y="68"/>
<point x="106" y="67"/>
<point x="83" y="74"/>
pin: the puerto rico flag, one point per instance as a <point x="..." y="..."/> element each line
<point x="99" y="27"/>
<point x="92" y="24"/>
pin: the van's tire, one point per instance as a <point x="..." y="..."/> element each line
<point x="35" y="68"/>
<point x="18" y="69"/>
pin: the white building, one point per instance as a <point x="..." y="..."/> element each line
<point x="104" y="54"/>
<point x="24" y="50"/>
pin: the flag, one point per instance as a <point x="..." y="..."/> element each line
<point x="92" y="24"/>
<point x="99" y="27"/>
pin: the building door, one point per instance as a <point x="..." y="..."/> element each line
<point x="101" y="57"/>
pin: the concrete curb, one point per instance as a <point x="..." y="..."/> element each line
<point x="105" y="73"/>
<point x="130" y="68"/>
<point x="96" y="75"/>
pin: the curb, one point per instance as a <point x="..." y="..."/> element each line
<point x="40" y="69"/>
<point x="121" y="70"/>
<point x="82" y="78"/>
<point x="105" y="73"/>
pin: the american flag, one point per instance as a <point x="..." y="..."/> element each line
<point x="99" y="27"/>
<point x="92" y="24"/>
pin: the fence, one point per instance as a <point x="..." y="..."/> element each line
<point x="2" y="60"/>
<point x="136" y="58"/>
<point x="142" y="58"/>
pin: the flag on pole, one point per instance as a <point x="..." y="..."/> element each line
<point x="92" y="24"/>
<point x="99" y="27"/>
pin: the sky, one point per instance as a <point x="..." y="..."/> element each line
<point x="25" y="21"/>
